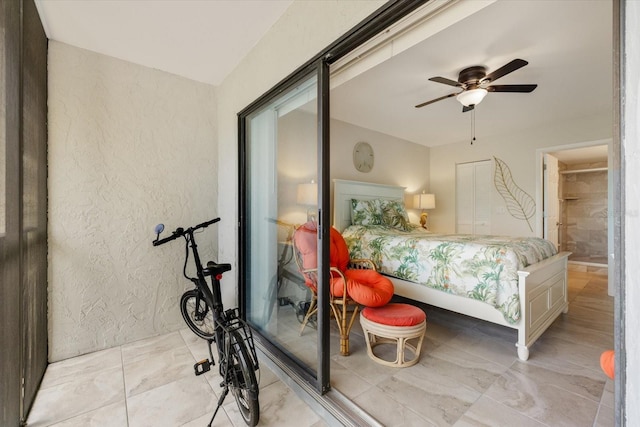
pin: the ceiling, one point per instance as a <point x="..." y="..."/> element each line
<point x="568" y="47"/>
<point x="567" y="44"/>
<point x="200" y="40"/>
<point x="584" y="155"/>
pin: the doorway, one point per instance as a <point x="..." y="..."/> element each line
<point x="577" y="203"/>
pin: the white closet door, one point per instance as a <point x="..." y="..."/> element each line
<point x="464" y="198"/>
<point x="473" y="197"/>
<point x="482" y="197"/>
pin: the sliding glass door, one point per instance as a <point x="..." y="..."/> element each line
<point x="280" y="193"/>
<point x="284" y="183"/>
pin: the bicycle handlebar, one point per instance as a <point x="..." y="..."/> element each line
<point x="179" y="232"/>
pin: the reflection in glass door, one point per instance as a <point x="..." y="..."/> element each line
<point x="281" y="193"/>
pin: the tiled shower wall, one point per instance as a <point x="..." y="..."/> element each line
<point x="584" y="213"/>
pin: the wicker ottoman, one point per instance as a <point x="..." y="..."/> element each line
<point x="394" y="324"/>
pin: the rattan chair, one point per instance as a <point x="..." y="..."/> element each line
<point x="352" y="283"/>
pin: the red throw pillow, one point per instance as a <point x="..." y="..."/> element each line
<point x="395" y="314"/>
<point x="306" y="241"/>
<point x="339" y="250"/>
<point x="368" y="287"/>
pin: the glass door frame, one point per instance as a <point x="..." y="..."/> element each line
<point x="382" y="18"/>
<point x="320" y="378"/>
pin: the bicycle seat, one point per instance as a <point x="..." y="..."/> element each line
<point x="215" y="268"/>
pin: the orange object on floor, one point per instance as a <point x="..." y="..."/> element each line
<point x="607" y="362"/>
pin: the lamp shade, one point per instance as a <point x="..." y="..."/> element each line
<point x="472" y="96"/>
<point x="307" y="194"/>
<point x="424" y="201"/>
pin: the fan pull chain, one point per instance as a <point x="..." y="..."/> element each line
<point x="473" y="125"/>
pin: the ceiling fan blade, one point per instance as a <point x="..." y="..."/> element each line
<point x="469" y="108"/>
<point x="436" y="100"/>
<point x="512" y="88"/>
<point x="506" y="69"/>
<point x="445" y="81"/>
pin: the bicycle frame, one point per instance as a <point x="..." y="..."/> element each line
<point x="236" y="351"/>
<point x="213" y="296"/>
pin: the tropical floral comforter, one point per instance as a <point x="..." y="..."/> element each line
<point x="479" y="267"/>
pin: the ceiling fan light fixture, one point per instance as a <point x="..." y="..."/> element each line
<point x="471" y="97"/>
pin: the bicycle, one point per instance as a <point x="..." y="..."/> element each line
<point x="204" y="314"/>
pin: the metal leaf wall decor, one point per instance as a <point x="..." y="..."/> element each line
<point x="519" y="204"/>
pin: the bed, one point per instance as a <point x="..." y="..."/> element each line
<point x="541" y="288"/>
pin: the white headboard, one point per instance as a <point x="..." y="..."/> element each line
<point x="344" y="191"/>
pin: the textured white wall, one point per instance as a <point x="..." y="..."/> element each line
<point x="129" y="147"/>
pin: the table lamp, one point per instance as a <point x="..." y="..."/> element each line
<point x="424" y="201"/>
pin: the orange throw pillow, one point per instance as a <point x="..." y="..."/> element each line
<point x="368" y="287"/>
<point x="339" y="252"/>
<point x="607" y="363"/>
<point x="395" y="314"/>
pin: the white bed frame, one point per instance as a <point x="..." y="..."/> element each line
<point x="542" y="286"/>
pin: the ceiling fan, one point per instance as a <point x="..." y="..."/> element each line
<point x="475" y="82"/>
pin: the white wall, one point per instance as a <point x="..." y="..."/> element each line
<point x="397" y="161"/>
<point x="519" y="153"/>
<point x="129" y="147"/>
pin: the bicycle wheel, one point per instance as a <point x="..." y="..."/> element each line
<point x="242" y="380"/>
<point x="197" y="315"/>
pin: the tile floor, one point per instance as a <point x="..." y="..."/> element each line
<point x="152" y="383"/>
<point x="468" y="375"/>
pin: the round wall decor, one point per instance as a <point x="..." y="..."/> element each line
<point x="363" y="157"/>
